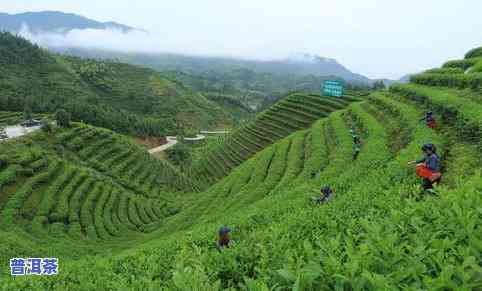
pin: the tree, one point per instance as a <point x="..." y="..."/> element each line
<point x="378" y="85"/>
<point x="46" y="126"/>
<point x="179" y="155"/>
<point x="63" y="118"/>
<point x="27" y="111"/>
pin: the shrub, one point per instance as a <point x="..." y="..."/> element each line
<point x="473" y="81"/>
<point x="477" y="68"/>
<point x="462" y="64"/>
<point x="445" y="71"/>
<point x="46" y="126"/>
<point x="476" y="52"/>
<point x="63" y="118"/>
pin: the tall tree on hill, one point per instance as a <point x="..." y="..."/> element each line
<point x="27" y="111"/>
<point x="63" y="118"/>
<point x="379" y="85"/>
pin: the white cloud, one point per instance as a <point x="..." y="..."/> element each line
<point x="377" y="38"/>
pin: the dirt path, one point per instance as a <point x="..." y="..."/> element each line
<point x="171" y="141"/>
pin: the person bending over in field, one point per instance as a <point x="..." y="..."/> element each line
<point x="355" y="136"/>
<point x="356" y="144"/>
<point x="223" y="240"/>
<point x="356" y="151"/>
<point x="429" y="120"/>
<point x="325" y="195"/>
<point x="428" y="167"/>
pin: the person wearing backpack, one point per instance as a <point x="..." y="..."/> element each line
<point x="428" y="167"/>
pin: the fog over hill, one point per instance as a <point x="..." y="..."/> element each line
<point x="70" y="32"/>
<point x="55" y="22"/>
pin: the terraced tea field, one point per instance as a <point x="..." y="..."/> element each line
<point x="140" y="224"/>
<point x="294" y="112"/>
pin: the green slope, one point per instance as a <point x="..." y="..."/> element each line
<point x="377" y="233"/>
<point x="294" y="112"/>
<point x="121" y="97"/>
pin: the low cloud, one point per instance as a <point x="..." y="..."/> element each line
<point x="138" y="41"/>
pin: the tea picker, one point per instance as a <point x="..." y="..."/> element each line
<point x="223" y="239"/>
<point x="326" y="193"/>
<point x="356" y="144"/>
<point x="429" y="120"/>
<point x="428" y="167"/>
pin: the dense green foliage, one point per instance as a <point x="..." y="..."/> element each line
<point x="461" y="64"/>
<point x="476" y="52"/>
<point x="11" y="118"/>
<point x="466" y="73"/>
<point x="63" y="118"/>
<point x="294" y="112"/>
<point x="258" y="84"/>
<point x="461" y="80"/>
<point x="119" y="220"/>
<point x="125" y="98"/>
<point x="445" y="71"/>
<point x="179" y="155"/>
<point x="71" y="183"/>
<point x="375" y="234"/>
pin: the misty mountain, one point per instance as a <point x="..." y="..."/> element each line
<point x="405" y="79"/>
<point x="54" y="22"/>
<point x="59" y="22"/>
<point x="299" y="65"/>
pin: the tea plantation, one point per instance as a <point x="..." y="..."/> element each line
<point x="295" y="112"/>
<point x="119" y="220"/>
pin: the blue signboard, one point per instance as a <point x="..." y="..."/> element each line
<point x="333" y="88"/>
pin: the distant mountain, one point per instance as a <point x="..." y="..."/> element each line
<point x="298" y="65"/>
<point x="309" y="64"/>
<point x="405" y="79"/>
<point x="54" y="21"/>
<point x="125" y="98"/>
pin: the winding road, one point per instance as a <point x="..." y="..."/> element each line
<point x="172" y="140"/>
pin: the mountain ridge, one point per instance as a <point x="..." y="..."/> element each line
<point x="55" y="22"/>
<point x="60" y="22"/>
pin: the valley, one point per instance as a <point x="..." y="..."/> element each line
<point x="134" y="173"/>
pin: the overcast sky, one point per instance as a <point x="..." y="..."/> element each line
<point x="380" y="39"/>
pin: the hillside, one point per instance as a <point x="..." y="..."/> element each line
<point x="54" y="22"/>
<point x="378" y="232"/>
<point x="69" y="185"/>
<point x="258" y="84"/>
<point x="294" y="112"/>
<point x="125" y="98"/>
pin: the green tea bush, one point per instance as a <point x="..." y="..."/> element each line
<point x="463" y="114"/>
<point x="472" y="80"/>
<point x="50" y="197"/>
<point x="98" y="214"/>
<point x="462" y="64"/>
<point x="61" y="212"/>
<point x="87" y="210"/>
<point x="477" y="68"/>
<point x="132" y="212"/>
<point x="15" y="202"/>
<point x="108" y="214"/>
<point x="8" y="175"/>
<point x="476" y="52"/>
<point x="445" y="71"/>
